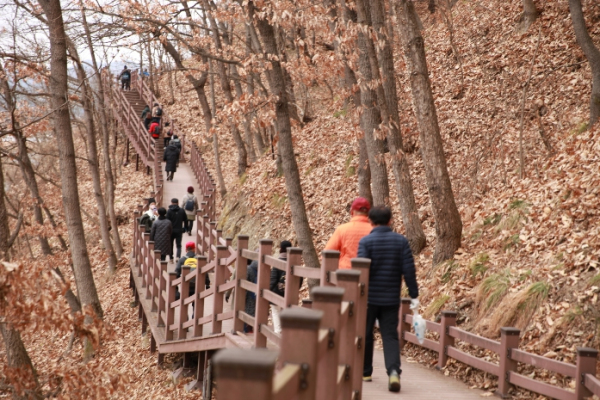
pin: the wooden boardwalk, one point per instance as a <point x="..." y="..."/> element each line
<point x="418" y="382"/>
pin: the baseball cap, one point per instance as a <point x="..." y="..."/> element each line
<point x="361" y="204"/>
<point x="190" y="245"/>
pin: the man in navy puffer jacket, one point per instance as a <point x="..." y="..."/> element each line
<point x="391" y="259"/>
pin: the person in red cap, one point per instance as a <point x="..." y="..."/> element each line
<point x="189" y="260"/>
<point x="346" y="236"/>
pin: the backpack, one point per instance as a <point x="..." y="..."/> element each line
<point x="159" y="112"/>
<point x="189" y="204"/>
<point x="126" y="75"/>
<point x="155" y="131"/>
<point x="191" y="262"/>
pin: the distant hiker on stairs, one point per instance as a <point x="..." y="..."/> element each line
<point x="156" y="113"/>
<point x="190" y="205"/>
<point x="171" y="157"/>
<point x="160" y="234"/>
<point x="125" y="77"/>
<point x="177" y="216"/>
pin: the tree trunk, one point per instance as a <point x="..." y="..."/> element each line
<point x="92" y="157"/>
<point x="109" y="186"/>
<point x="286" y="147"/>
<point x="215" y="144"/>
<point x="17" y="358"/>
<point x="226" y="87"/>
<point x="591" y="52"/>
<point x="86" y="287"/>
<point x="408" y="206"/>
<point x="530" y="14"/>
<point x="260" y="144"/>
<point x="371" y="118"/>
<point x="364" y="170"/>
<point x="448" y="226"/>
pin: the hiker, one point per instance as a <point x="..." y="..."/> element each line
<point x="156" y="113"/>
<point x="149" y="217"/>
<point x="250" y="296"/>
<point x="189" y="259"/>
<point x="391" y="260"/>
<point x="160" y="234"/>
<point x="145" y="111"/>
<point x="346" y="236"/>
<point x="171" y="157"/>
<point x="168" y="133"/>
<point x="148" y="120"/>
<point x="154" y="130"/>
<point x="277" y="285"/>
<point x="145" y="74"/>
<point x="177" y="216"/>
<point x="190" y="205"/>
<point x="125" y="77"/>
<point x="176" y="142"/>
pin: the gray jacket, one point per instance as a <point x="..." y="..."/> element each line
<point x="161" y="235"/>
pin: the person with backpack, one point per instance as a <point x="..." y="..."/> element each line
<point x="176" y="142"/>
<point x="145" y="111"/>
<point x="171" y="157"/>
<point x="149" y="217"/>
<point x="391" y="261"/>
<point x="154" y="130"/>
<point x="148" y="120"/>
<point x="157" y="113"/>
<point x="177" y="216"/>
<point x="190" y="205"/>
<point x="125" y="77"/>
<point x="189" y="260"/>
<point x="160" y="234"/>
<point x="168" y="134"/>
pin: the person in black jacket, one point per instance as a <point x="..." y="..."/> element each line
<point x="177" y="216"/>
<point x="160" y="234"/>
<point x="171" y="157"/>
<point x="391" y="260"/>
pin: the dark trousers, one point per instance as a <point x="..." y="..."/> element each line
<point x="125" y="83"/>
<point x="388" y="325"/>
<point x="167" y="140"/>
<point x="188" y="225"/>
<point x="163" y="257"/>
<point x="177" y="238"/>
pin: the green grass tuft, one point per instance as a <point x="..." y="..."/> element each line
<point x="436" y="305"/>
<point x="537" y="293"/>
<point x="511" y="242"/>
<point x="340" y="113"/>
<point x="595" y="280"/>
<point x="278" y="201"/>
<point x="492" y="219"/>
<point x="493" y="288"/>
<point x="449" y="268"/>
<point x="478" y="265"/>
<point x="243" y="178"/>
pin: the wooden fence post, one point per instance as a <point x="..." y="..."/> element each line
<point x="183" y="312"/>
<point x="242" y="374"/>
<point x="145" y="257"/>
<point x="329" y="263"/>
<point x="163" y="288"/>
<point x="136" y="223"/>
<point x="328" y="300"/>
<point x="348" y="279"/>
<point x="156" y="274"/>
<point x="509" y="339"/>
<point x="149" y="269"/>
<point x="300" y="345"/>
<point x="263" y="281"/>
<point x="448" y="320"/>
<point x="198" y="236"/>
<point x="362" y="265"/>
<point x="170" y="300"/>
<point x="292" y="282"/>
<point x="199" y="302"/>
<point x="586" y="364"/>
<point x="241" y="272"/>
<point x="218" y="297"/>
<point x="403" y="326"/>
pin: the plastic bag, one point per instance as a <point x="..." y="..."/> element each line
<point x="419" y="327"/>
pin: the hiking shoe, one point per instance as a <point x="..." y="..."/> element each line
<point x="394" y="382"/>
<point x="367" y="379"/>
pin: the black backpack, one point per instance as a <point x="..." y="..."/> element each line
<point x="189" y="205"/>
<point x="159" y="112"/>
<point x="147" y="222"/>
<point x="126" y="75"/>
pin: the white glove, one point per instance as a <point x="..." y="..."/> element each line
<point x="414" y="304"/>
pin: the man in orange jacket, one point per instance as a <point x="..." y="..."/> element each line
<point x="346" y="236"/>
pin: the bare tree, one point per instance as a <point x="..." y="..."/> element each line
<point x="285" y="144"/>
<point x="448" y="225"/>
<point x="591" y="52"/>
<point x="86" y="287"/>
<point x="530" y="14"/>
